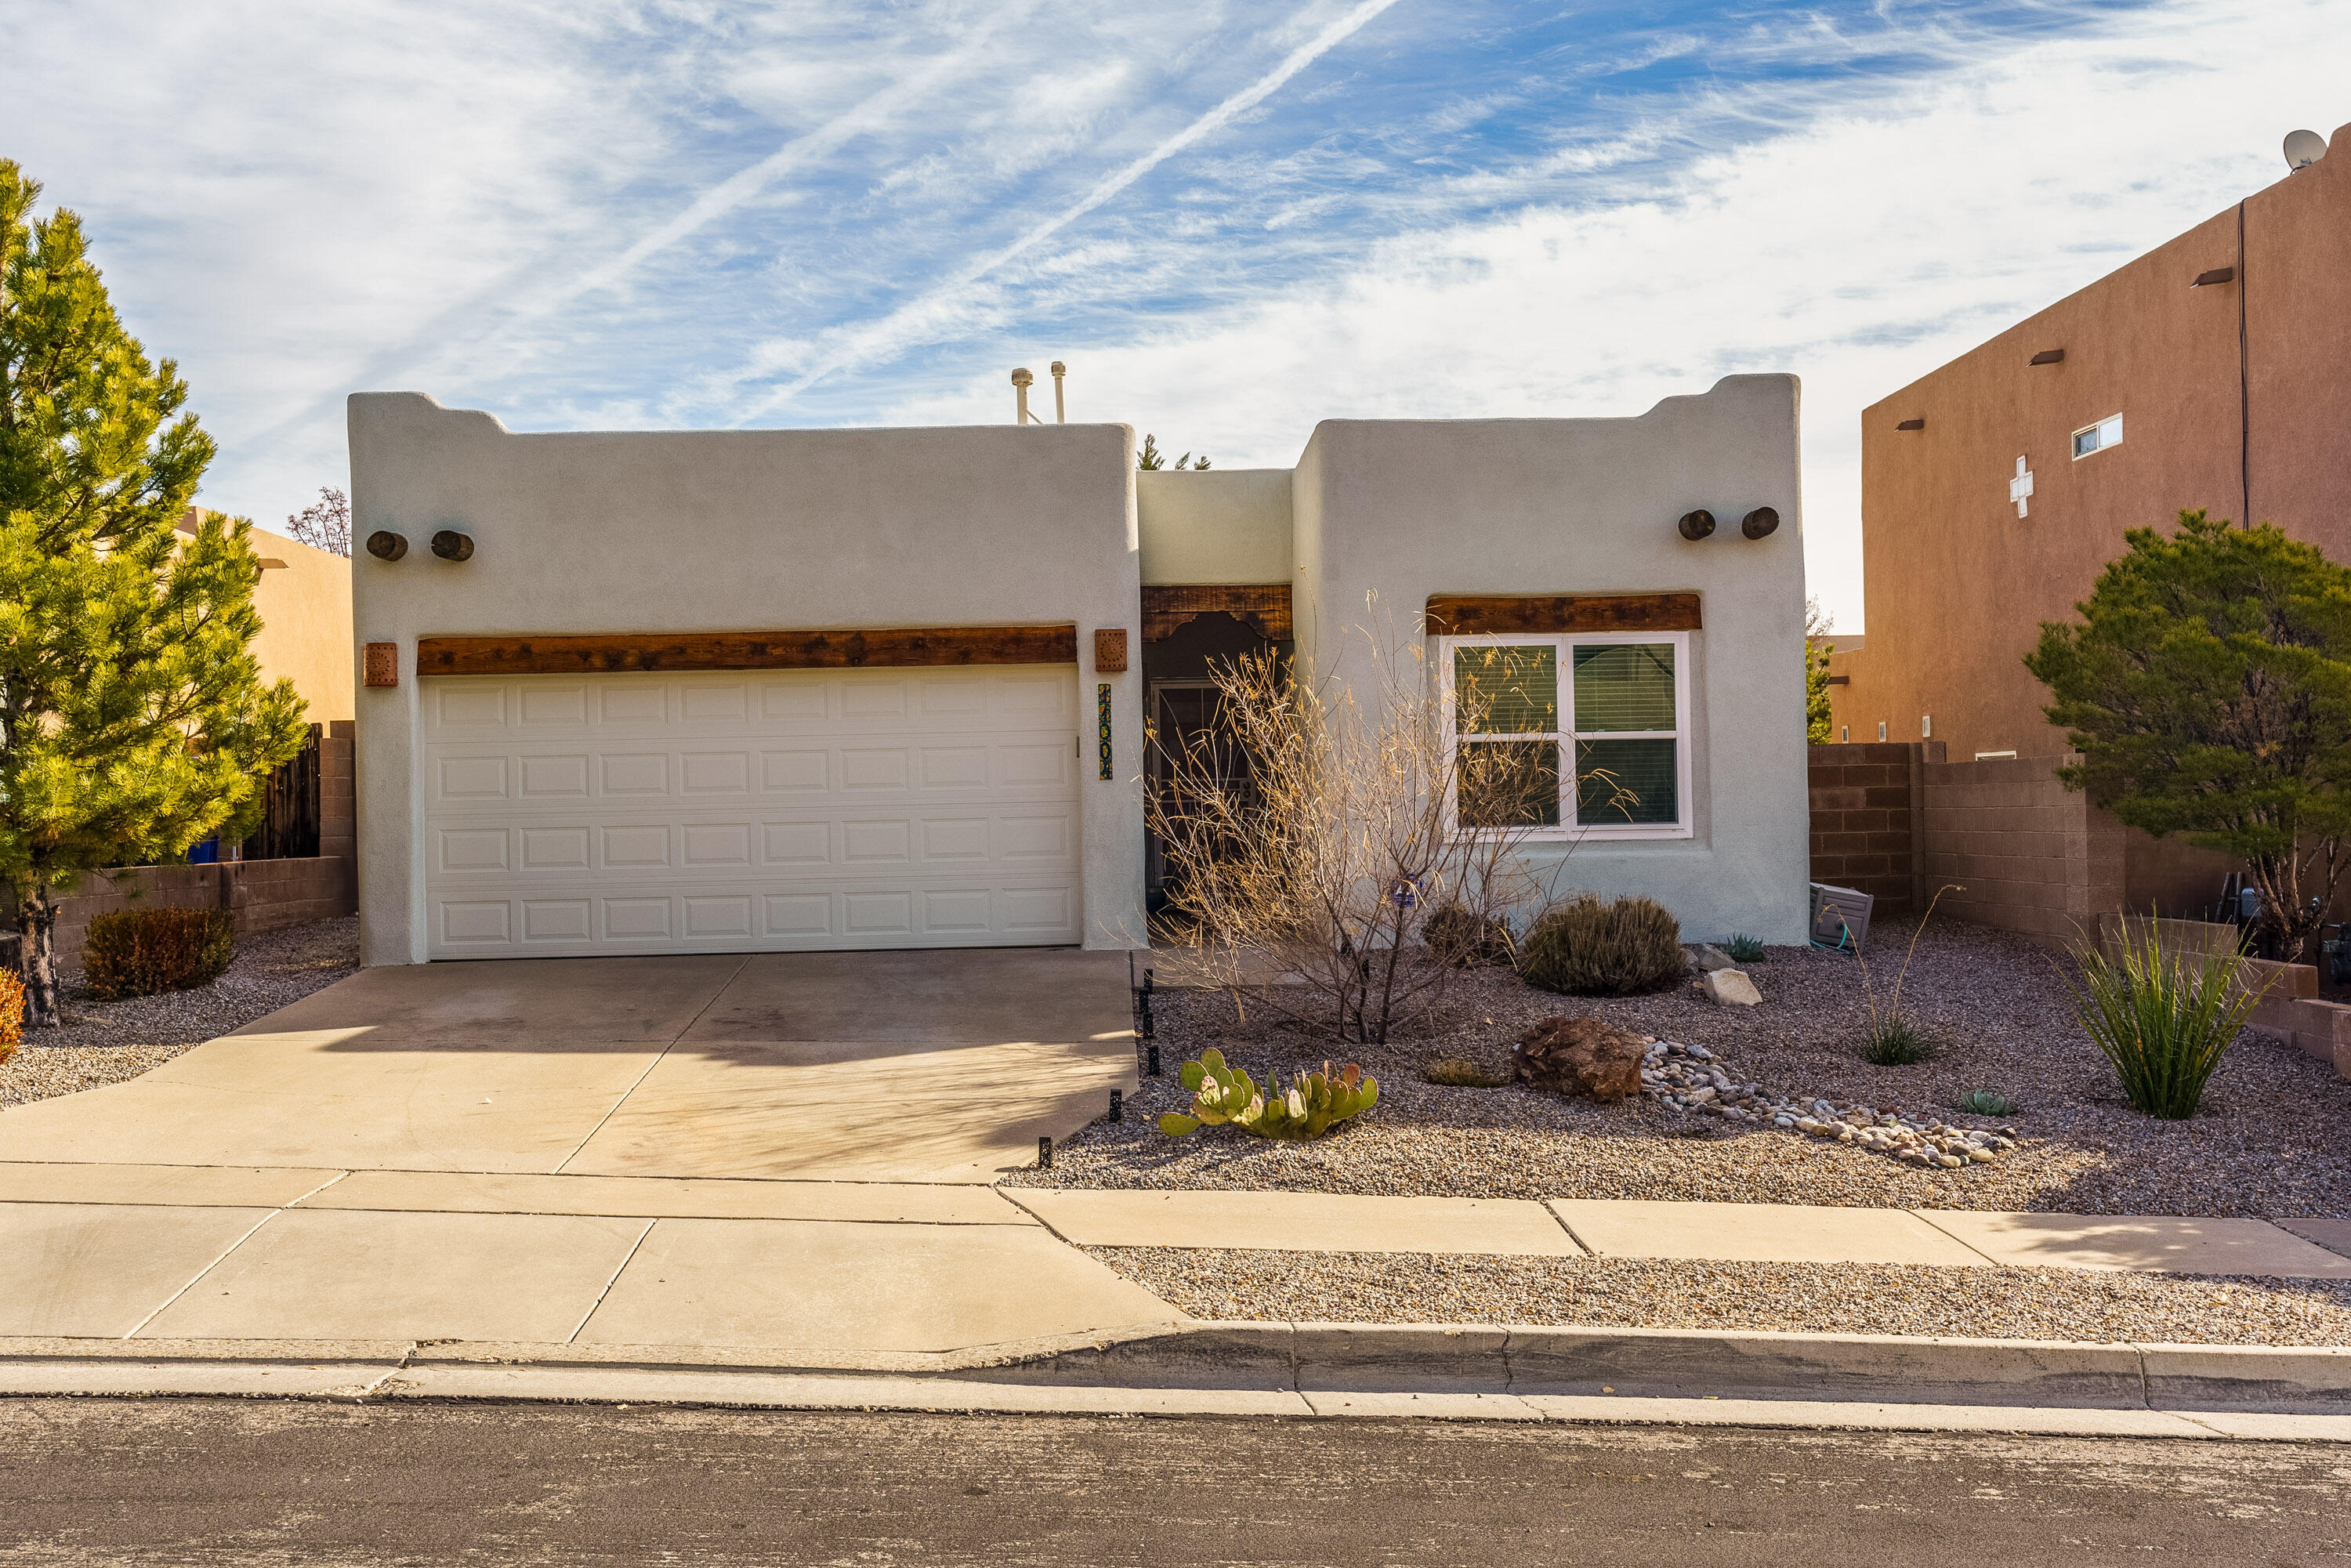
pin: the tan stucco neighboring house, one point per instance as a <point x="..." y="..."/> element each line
<point x="304" y="600"/>
<point x="2207" y="373"/>
<point x="793" y="689"/>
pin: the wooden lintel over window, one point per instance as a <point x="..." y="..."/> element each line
<point x="1483" y="616"/>
<point x="834" y="649"/>
<point x="1263" y="607"/>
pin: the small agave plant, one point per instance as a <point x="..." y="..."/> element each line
<point x="1312" y="1103"/>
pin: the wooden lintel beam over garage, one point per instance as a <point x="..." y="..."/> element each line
<point x="1482" y="616"/>
<point x="831" y="649"/>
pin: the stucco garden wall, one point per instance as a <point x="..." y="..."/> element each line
<point x="1390" y="512"/>
<point x="714" y="531"/>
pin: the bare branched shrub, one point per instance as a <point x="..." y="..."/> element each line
<point x="1308" y="833"/>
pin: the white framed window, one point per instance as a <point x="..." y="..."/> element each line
<point x="2107" y="432"/>
<point x="1581" y="735"/>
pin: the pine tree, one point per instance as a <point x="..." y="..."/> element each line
<point x="133" y="721"/>
<point x="1818" y="729"/>
<point x="2208" y="688"/>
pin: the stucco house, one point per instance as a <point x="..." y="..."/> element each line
<point x="771" y="690"/>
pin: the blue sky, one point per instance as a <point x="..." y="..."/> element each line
<point x="1230" y="220"/>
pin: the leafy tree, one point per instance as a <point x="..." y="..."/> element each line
<point x="325" y="524"/>
<point x="1152" y="457"/>
<point x="2208" y="688"/>
<point x="133" y="722"/>
<point x="1817" y="728"/>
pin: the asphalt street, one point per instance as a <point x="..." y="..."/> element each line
<point x="260" y="1482"/>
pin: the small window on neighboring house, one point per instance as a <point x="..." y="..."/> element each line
<point x="2107" y="432"/>
<point x="1570" y="737"/>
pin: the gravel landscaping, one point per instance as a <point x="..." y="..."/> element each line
<point x="107" y="1042"/>
<point x="1811" y="1298"/>
<point x="2270" y="1141"/>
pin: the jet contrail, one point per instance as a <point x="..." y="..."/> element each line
<point x="870" y="114"/>
<point x="865" y="339"/>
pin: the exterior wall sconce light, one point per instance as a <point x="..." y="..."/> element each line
<point x="2218" y="275"/>
<point x="1912" y="424"/>
<point x="385" y="545"/>
<point x="2048" y="357"/>
<point x="1759" y="523"/>
<point x="451" y="545"/>
<point x="1696" y="526"/>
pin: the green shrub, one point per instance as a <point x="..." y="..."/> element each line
<point x="1588" y="947"/>
<point x="1984" y="1102"/>
<point x="139" y="952"/>
<point x="1744" y="949"/>
<point x="1893" y="1041"/>
<point x="2162" y="1018"/>
<point x="1461" y="1073"/>
<point x="1464" y="939"/>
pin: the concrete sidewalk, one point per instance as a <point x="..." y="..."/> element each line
<point x="835" y="1269"/>
<point x="1723" y="1232"/>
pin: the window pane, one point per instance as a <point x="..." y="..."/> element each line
<point x="1624" y="686"/>
<point x="1621" y="782"/>
<point x="2085" y="441"/>
<point x="1508" y="784"/>
<point x="1503" y="690"/>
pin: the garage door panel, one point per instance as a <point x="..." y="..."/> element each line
<point x="473" y="849"/>
<point x="632" y="920"/>
<point x="631" y="702"/>
<point x="563" y="777"/>
<point x="633" y="773"/>
<point x="851" y="809"/>
<point x="795" y="772"/>
<point x="795" y="846"/>
<point x="472" y="778"/>
<point x="716" y="772"/>
<point x="471" y="707"/>
<point x="564" y="705"/>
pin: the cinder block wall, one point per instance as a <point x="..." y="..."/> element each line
<point x="1864" y="803"/>
<point x="263" y="895"/>
<point x="2031" y="855"/>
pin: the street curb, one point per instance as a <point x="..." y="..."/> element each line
<point x="1476" y="1358"/>
<point x="1467" y="1360"/>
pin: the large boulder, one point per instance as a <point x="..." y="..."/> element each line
<point x="1731" y="987"/>
<point x="1580" y="1056"/>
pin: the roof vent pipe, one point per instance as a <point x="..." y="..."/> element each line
<point x="1021" y="382"/>
<point x="1060" y="405"/>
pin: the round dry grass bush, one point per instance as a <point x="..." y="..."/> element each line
<point x="139" y="952"/>
<point x="1591" y="948"/>
<point x="12" y="1013"/>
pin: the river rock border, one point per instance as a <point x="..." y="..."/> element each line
<point x="1690" y="1077"/>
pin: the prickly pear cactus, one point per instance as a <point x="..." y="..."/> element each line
<point x="1309" y="1107"/>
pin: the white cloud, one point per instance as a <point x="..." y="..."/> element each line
<point x="1860" y="251"/>
<point x="638" y="212"/>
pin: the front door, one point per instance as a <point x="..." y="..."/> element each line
<point x="1191" y="750"/>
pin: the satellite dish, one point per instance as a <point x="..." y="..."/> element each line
<point x="2303" y="148"/>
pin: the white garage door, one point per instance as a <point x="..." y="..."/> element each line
<point x="753" y="812"/>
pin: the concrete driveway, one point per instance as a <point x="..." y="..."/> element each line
<point x="940" y="1066"/>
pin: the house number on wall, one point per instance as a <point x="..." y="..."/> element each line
<point x="1102" y="726"/>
